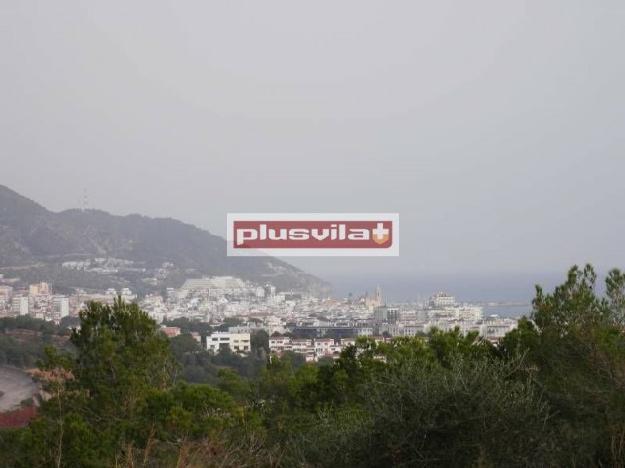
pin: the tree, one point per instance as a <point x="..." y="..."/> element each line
<point x="575" y="351"/>
<point x="113" y="402"/>
<point x="183" y="345"/>
<point x="441" y="401"/>
<point x="120" y="354"/>
<point x="551" y="394"/>
<point x="260" y="342"/>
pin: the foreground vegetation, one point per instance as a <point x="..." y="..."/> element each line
<point x="552" y="394"/>
<point x="23" y="339"/>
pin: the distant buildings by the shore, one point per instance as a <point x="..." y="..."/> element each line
<point x="254" y="307"/>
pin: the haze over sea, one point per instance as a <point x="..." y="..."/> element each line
<point x="513" y="293"/>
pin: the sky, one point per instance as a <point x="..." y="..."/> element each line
<point x="495" y="129"/>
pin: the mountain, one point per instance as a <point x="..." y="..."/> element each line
<point x="93" y="249"/>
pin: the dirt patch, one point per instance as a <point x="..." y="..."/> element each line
<point x="15" y="386"/>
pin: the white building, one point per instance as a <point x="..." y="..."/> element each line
<point x="60" y="307"/>
<point x="19" y="305"/>
<point x="39" y="289"/>
<point x="324" y="347"/>
<point x="218" y="286"/>
<point x="279" y="344"/>
<point x="302" y="345"/>
<point x="495" y="328"/>
<point x="127" y="295"/>
<point x="442" y="300"/>
<point x="5" y="293"/>
<point x="402" y="330"/>
<point x="251" y="328"/>
<point x="236" y="342"/>
<point x="467" y="312"/>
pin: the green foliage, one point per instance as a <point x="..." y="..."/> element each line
<point x="185" y="412"/>
<point x="575" y="349"/>
<point x="260" y="342"/>
<point x="116" y="396"/>
<point x="551" y="394"/>
<point x="467" y="413"/>
<point x="201" y="366"/>
<point x="183" y="345"/>
<point x="26" y="322"/>
<point x="235" y="385"/>
<point x="23" y="339"/>
<point x="120" y="354"/>
<point x="14" y="353"/>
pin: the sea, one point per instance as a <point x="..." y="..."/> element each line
<point x="506" y="295"/>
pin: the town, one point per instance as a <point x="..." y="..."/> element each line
<point x="297" y="322"/>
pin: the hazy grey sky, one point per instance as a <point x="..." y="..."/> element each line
<point x="496" y="129"/>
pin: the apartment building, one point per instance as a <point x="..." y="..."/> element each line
<point x="235" y="342"/>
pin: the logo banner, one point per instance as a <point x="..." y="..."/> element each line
<point x="313" y="234"/>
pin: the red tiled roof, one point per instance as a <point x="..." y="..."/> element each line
<point x="17" y="418"/>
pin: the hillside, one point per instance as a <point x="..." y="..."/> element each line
<point x="135" y="251"/>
